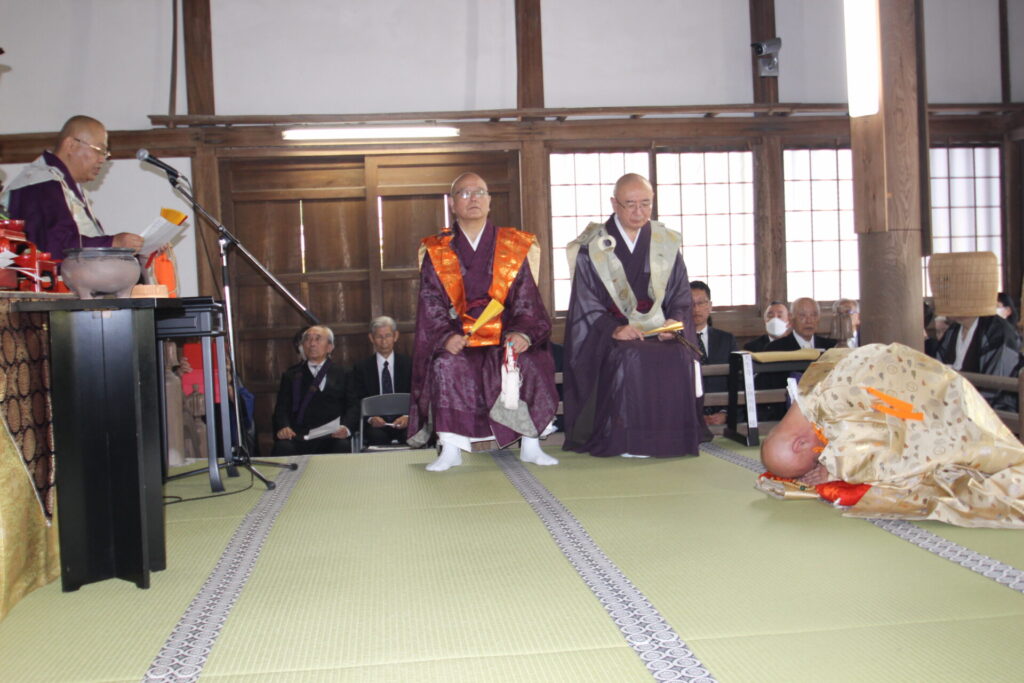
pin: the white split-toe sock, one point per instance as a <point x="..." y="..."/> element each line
<point x="451" y="456"/>
<point x="530" y="451"/>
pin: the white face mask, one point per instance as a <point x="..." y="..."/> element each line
<point x="776" y="327"/>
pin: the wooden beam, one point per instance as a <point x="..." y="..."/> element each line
<point x="762" y="28"/>
<point x="887" y="178"/>
<point x="1004" y="51"/>
<point x="529" y="55"/>
<point x="198" y="56"/>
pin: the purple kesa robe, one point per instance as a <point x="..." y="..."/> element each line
<point x="49" y="221"/>
<point x="633" y="397"/>
<point x="457" y="393"/>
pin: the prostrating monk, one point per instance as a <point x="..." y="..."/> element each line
<point x="629" y="392"/>
<point x="457" y="376"/>
<point x="916" y="436"/>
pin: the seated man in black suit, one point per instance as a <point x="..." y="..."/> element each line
<point x="385" y="372"/>
<point x="313" y="394"/>
<point x="776" y="326"/>
<point x="805" y="314"/>
<point x="715" y="347"/>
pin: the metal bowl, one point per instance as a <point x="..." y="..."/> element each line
<point x="97" y="271"/>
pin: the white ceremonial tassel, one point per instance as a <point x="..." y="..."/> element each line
<point x="510" y="379"/>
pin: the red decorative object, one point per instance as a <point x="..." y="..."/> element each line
<point x="32" y="270"/>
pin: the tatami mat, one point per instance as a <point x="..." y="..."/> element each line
<point x="376" y="570"/>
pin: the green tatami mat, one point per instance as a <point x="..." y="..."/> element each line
<point x="1003" y="545"/>
<point x="111" y="630"/>
<point x="376" y="570"/>
<point x="769" y="590"/>
<point x="379" y="570"/>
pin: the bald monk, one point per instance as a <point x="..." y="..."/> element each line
<point x="48" y="195"/>
<point x="921" y="439"/>
<point x="457" y="380"/>
<point x="629" y="391"/>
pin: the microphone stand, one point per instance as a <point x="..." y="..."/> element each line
<point x="225" y="240"/>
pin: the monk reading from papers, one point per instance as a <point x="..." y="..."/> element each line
<point x="916" y="437"/>
<point x="631" y="355"/>
<point x="482" y="368"/>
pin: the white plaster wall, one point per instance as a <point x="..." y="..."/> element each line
<point x="106" y="58"/>
<point x="645" y="52"/>
<point x="962" y="50"/>
<point x="812" y="62"/>
<point x="128" y="196"/>
<point x="363" y="56"/>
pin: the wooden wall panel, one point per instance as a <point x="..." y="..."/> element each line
<point x="335" y="237"/>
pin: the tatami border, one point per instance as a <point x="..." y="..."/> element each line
<point x="657" y="644"/>
<point x="990" y="568"/>
<point x="186" y="650"/>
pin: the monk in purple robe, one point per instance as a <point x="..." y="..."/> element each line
<point x="48" y="196"/>
<point x="459" y="389"/>
<point x="629" y="389"/>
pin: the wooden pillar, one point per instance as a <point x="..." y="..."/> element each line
<point x="769" y="222"/>
<point x="198" y="56"/>
<point x="535" y="197"/>
<point x="769" y="182"/>
<point x="206" y="180"/>
<point x="529" y="55"/>
<point x="887" y="178"/>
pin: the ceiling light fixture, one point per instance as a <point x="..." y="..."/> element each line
<point x="358" y="132"/>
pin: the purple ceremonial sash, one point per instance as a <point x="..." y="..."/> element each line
<point x="301" y="398"/>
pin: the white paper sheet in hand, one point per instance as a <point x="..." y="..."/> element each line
<point x="324" y="430"/>
<point x="158" y="234"/>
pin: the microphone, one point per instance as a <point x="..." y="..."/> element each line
<point x="144" y="155"/>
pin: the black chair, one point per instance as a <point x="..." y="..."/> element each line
<point x="382" y="404"/>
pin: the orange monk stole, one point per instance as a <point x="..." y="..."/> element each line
<point x="510" y="251"/>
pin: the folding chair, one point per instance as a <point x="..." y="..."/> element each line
<point x="382" y="404"/>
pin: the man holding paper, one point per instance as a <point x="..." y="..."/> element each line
<point x="48" y="196"/>
<point x="632" y="363"/>
<point x="316" y="408"/>
<point x="482" y="367"/>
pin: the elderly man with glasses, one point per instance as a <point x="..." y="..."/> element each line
<point x="478" y="377"/>
<point x="632" y="362"/>
<point x="49" y="197"/>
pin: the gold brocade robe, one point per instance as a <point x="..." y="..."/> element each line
<point x="957" y="464"/>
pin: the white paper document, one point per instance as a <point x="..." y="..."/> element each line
<point x="324" y="430"/>
<point x="158" y="234"/>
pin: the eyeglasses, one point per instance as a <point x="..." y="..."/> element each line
<point x="466" y="194"/>
<point x="631" y="205"/>
<point x="104" y="152"/>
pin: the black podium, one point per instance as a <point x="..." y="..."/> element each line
<point x="107" y="387"/>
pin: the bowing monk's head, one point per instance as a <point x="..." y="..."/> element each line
<point x="790" y="449"/>
<point x="633" y="201"/>
<point x="82" y="146"/>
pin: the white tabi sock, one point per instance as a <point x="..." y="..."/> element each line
<point x="451" y="456"/>
<point x="530" y="451"/>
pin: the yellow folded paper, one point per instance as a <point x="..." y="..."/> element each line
<point x="493" y="310"/>
<point x="672" y="327"/>
<point x="777" y="356"/>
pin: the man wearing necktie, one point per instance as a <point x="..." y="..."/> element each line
<point x="715" y="347"/>
<point x="313" y="394"/>
<point x="385" y="372"/>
